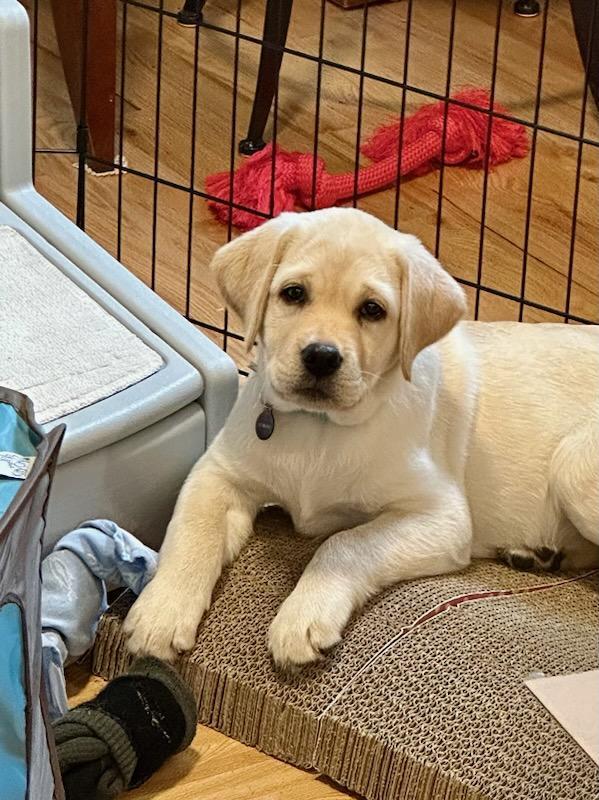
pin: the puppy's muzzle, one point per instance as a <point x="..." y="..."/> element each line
<point x="321" y="359"/>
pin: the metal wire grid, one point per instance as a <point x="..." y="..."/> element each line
<point x="405" y="86"/>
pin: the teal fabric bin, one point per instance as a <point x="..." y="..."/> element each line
<point x="28" y="769"/>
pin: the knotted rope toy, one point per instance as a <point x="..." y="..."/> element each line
<point x="118" y="740"/>
<point x="426" y="140"/>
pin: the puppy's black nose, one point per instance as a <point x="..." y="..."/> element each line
<point x="321" y="360"/>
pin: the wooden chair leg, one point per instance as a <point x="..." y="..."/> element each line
<point x="276" y="25"/>
<point x="191" y="13"/>
<point x="527" y="8"/>
<point x="99" y="71"/>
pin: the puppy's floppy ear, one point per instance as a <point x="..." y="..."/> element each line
<point x="245" y="267"/>
<point x="432" y="302"/>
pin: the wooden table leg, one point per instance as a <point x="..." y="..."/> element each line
<point x="99" y="70"/>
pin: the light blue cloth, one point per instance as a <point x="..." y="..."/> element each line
<point x="76" y="576"/>
<point x="114" y="556"/>
<point x="13" y="745"/>
<point x="54" y="656"/>
<point x="15" y="437"/>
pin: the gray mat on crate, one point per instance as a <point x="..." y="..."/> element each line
<point x="58" y="345"/>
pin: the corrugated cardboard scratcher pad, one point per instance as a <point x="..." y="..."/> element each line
<point x="425" y="697"/>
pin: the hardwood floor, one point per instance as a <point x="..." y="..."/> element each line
<point x="215" y="767"/>
<point x="163" y="255"/>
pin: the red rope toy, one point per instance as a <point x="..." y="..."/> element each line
<point x="466" y="140"/>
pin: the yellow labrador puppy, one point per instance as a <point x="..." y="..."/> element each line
<point x="413" y="443"/>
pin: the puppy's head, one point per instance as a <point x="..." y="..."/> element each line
<point x="336" y="300"/>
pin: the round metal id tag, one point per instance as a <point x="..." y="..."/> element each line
<point x="265" y="424"/>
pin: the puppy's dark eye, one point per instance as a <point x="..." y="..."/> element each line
<point x="294" y="294"/>
<point x="372" y="311"/>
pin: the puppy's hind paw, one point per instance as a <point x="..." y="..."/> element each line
<point x="525" y="559"/>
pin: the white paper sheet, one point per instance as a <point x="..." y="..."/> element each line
<point x="574" y="702"/>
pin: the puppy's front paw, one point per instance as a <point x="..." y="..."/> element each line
<point x="305" y="628"/>
<point x="162" y="624"/>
